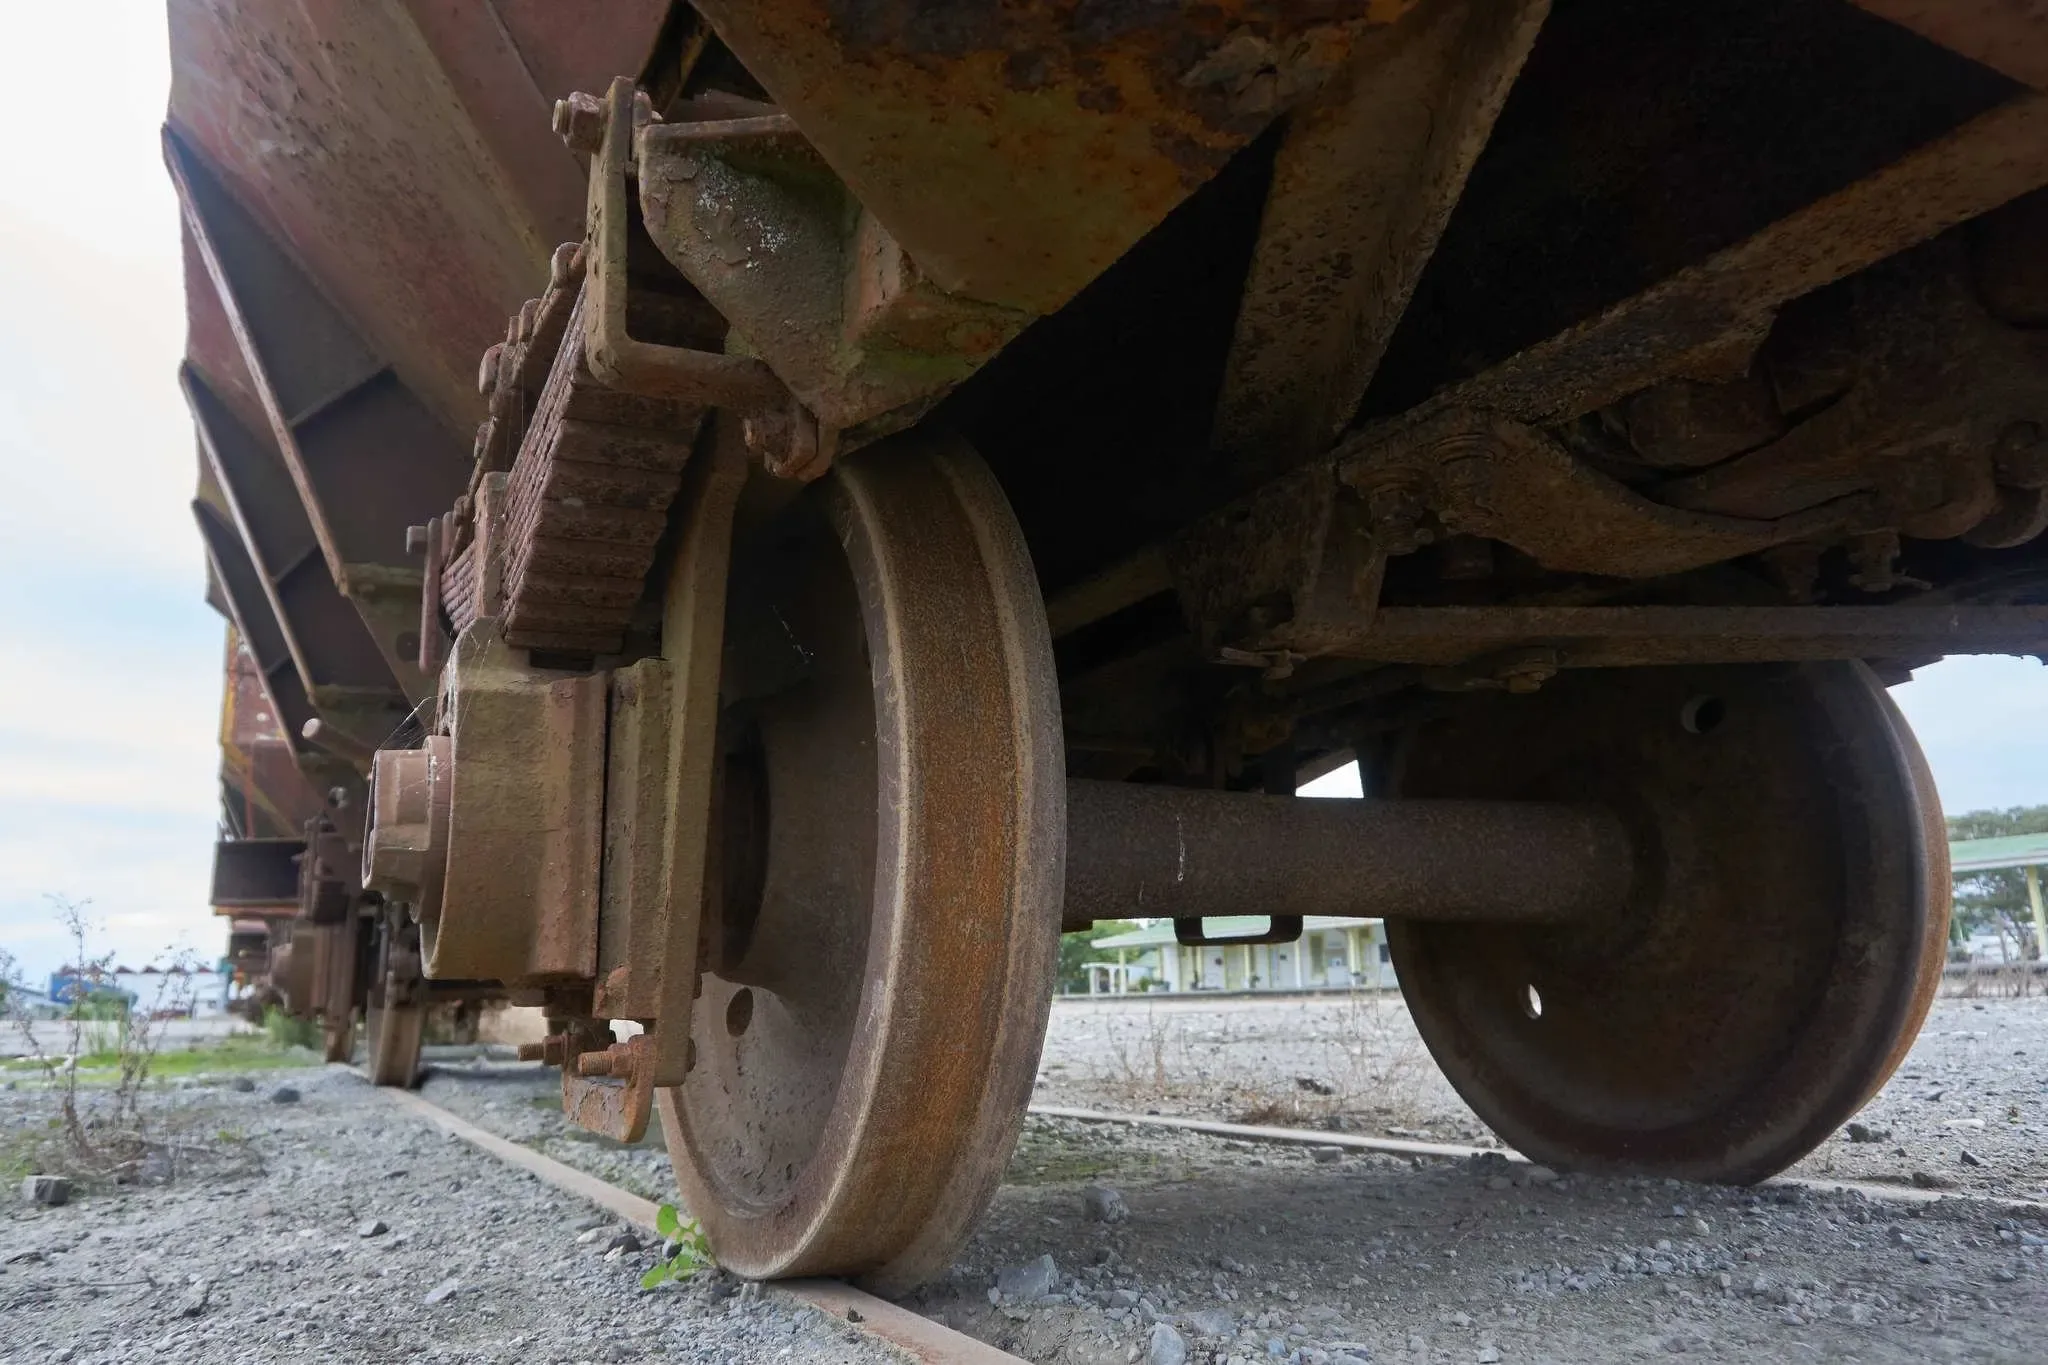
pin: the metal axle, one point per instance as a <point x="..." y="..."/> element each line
<point x="1184" y="853"/>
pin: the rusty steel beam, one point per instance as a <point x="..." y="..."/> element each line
<point x="1363" y="184"/>
<point x="1187" y="853"/>
<point x="1123" y="584"/>
<point x="1601" y="637"/>
<point x="280" y="593"/>
<point x="359" y="134"/>
<point x="1705" y="321"/>
<point x="508" y="61"/>
<point x="264" y="791"/>
<point x="1016" y="150"/>
<point x="249" y="607"/>
<point x="364" y="455"/>
<point x="2009" y="36"/>
<point x="250" y="873"/>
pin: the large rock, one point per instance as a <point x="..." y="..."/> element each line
<point x="1167" y="1347"/>
<point x="1104" y="1205"/>
<point x="1032" y="1280"/>
<point x="49" y="1190"/>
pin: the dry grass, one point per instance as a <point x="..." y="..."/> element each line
<point x="2010" y="982"/>
<point x="102" y="1126"/>
<point x="1354" y="1063"/>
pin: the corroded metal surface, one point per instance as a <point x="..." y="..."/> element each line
<point x="337" y="125"/>
<point x="2006" y="35"/>
<point x="1184" y="853"/>
<point x="616" y="352"/>
<point x="394" y="1034"/>
<point x="586" y="503"/>
<point x="913" y="853"/>
<point x="1605" y="637"/>
<point x="812" y="282"/>
<point x="1016" y="150"/>
<point x="1774" y="959"/>
<point x="611" y="1091"/>
<point x="1706" y="320"/>
<point x="1363" y="183"/>
<point x="525" y="800"/>
<point x="491" y="831"/>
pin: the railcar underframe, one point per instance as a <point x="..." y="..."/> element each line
<point x="965" y="464"/>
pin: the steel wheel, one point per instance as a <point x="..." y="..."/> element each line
<point x="339" y="1038"/>
<point x="395" y="1035"/>
<point x="395" y="1022"/>
<point x="1785" y="934"/>
<point x="880" y="965"/>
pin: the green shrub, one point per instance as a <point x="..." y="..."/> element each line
<point x="285" y="1031"/>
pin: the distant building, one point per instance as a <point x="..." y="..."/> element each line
<point x="26" y="1001"/>
<point x="1332" y="954"/>
<point x="152" y="989"/>
<point x="2027" y="852"/>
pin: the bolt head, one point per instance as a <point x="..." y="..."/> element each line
<point x="579" y="121"/>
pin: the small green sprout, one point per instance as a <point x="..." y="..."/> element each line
<point x="692" y="1254"/>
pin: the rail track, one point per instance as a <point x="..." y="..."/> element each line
<point x="1317" y="1137"/>
<point x="919" y="1337"/>
<point x="925" y="1340"/>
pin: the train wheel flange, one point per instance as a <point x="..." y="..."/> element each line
<point x="880" y="959"/>
<point x="397" y="1018"/>
<point x="1780" y="947"/>
<point x="338" y="1038"/>
<point x="396" y="1032"/>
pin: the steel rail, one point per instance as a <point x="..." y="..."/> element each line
<point x="892" y="1325"/>
<point x="1316" y="1137"/>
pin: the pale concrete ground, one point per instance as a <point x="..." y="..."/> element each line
<point x="52" y="1036"/>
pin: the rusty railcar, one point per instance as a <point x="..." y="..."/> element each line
<point x="754" y="514"/>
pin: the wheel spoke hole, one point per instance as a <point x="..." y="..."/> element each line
<point x="1702" y="715"/>
<point x="739" y="1011"/>
<point x="1532" y="1002"/>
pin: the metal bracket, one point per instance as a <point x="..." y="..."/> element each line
<point x="810" y="281"/>
<point x="615" y="357"/>
<point x="612" y="1092"/>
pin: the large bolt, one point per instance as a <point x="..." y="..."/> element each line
<point x="579" y="122"/>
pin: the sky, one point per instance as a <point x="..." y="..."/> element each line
<point x="110" y="661"/>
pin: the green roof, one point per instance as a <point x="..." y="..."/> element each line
<point x="2007" y="850"/>
<point x="1160" y="932"/>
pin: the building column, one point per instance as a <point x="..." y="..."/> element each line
<point x="2040" y="919"/>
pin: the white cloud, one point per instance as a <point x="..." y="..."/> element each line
<point x="1983" y="723"/>
<point x="109" y="700"/>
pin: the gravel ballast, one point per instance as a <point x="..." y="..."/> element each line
<point x="1108" y="1244"/>
<point x="265" y="1255"/>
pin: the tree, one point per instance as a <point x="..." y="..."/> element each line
<point x="1077" y="950"/>
<point x="1996" y="899"/>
